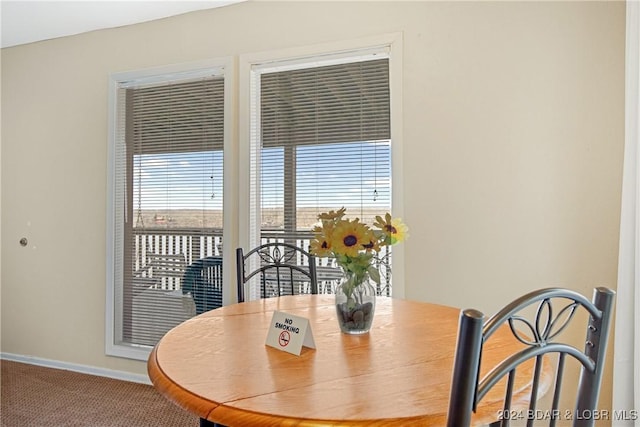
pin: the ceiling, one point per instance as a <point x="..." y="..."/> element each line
<point x="27" y="21"/>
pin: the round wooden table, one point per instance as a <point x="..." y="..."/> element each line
<point x="217" y="366"/>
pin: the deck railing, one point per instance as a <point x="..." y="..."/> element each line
<point x="194" y="244"/>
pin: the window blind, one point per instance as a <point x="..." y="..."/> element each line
<point x="173" y="212"/>
<point x="325" y="135"/>
<point x="330" y="104"/>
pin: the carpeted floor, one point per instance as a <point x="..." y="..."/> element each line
<point x="37" y="396"/>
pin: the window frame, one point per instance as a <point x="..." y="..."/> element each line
<point x="325" y="54"/>
<point x="114" y="276"/>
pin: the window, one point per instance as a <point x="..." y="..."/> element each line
<point x="320" y="139"/>
<point x="167" y="205"/>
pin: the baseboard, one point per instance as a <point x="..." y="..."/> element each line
<point x="83" y="369"/>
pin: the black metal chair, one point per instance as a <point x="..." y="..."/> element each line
<point x="203" y="280"/>
<point x="556" y="308"/>
<point x="282" y="268"/>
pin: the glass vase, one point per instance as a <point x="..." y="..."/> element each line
<point x="355" y="304"/>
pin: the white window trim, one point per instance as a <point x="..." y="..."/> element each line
<point x="221" y="66"/>
<point x="325" y="54"/>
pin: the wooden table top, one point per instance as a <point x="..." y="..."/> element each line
<point x="217" y="366"/>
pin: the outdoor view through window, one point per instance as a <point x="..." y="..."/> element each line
<point x="324" y="142"/>
<point x="184" y="190"/>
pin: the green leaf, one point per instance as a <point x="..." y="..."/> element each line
<point x="374" y="274"/>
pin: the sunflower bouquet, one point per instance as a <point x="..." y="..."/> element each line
<point x="354" y="244"/>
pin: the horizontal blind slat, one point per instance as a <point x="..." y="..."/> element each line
<point x="179" y="116"/>
<point x="338" y="103"/>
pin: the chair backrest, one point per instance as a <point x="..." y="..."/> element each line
<point x="282" y="269"/>
<point x="538" y="342"/>
<point x="203" y="280"/>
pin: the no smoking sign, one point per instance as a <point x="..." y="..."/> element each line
<point x="284" y="338"/>
<point x="289" y="333"/>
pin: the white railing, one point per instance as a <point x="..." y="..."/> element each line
<point x="194" y="244"/>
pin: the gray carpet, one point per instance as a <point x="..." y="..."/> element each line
<point x="37" y="396"/>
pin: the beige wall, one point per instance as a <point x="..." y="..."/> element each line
<point x="513" y="121"/>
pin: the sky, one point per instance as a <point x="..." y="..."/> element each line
<point x="343" y="174"/>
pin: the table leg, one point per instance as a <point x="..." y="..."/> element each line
<point x="206" y="423"/>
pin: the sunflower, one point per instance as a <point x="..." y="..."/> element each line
<point x="321" y="244"/>
<point x="350" y="237"/>
<point x="394" y="229"/>
<point x="332" y="215"/>
<point x="374" y="243"/>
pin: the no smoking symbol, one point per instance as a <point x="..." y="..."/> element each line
<point x="284" y="338"/>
